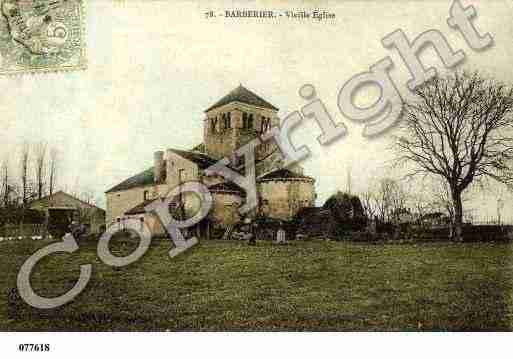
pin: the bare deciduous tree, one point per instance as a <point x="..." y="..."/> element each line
<point x="368" y="199"/>
<point x="390" y="198"/>
<point x="459" y="129"/>
<point x="419" y="204"/>
<point x="24" y="173"/>
<point x="349" y="184"/>
<point x="52" y="170"/>
<point x="5" y="183"/>
<point x="442" y="202"/>
<point x="382" y="198"/>
<point x="40" y="168"/>
<point x="87" y="196"/>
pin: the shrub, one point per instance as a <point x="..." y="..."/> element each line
<point x="347" y="210"/>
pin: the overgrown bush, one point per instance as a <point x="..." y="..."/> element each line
<point x="347" y="211"/>
<point x="14" y="215"/>
<point x="486" y="233"/>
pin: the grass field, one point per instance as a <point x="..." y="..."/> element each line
<point x="312" y="285"/>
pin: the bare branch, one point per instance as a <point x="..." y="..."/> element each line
<point x="459" y="128"/>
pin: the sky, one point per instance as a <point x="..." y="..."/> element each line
<point x="155" y="66"/>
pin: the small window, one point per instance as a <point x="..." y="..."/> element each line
<point x="227" y="120"/>
<point x="266" y="124"/>
<point x="250" y="121"/>
<point x="146" y="195"/>
<point x="213" y="124"/>
<point x="247" y="121"/>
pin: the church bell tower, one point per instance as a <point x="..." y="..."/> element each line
<point x="236" y="119"/>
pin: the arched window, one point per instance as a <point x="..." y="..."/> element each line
<point x="213" y="124"/>
<point x="244" y="120"/>
<point x="265" y="124"/>
<point x="247" y="121"/>
<point x="227" y="120"/>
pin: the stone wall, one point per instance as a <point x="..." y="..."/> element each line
<point x="225" y="209"/>
<point x="120" y="202"/>
<point x="279" y="199"/>
<point x="175" y="163"/>
<point x="283" y="199"/>
<point x="224" y="212"/>
<point x="221" y="142"/>
<point x="274" y="162"/>
<point x="94" y="215"/>
<point x="97" y="221"/>
<point x="151" y="220"/>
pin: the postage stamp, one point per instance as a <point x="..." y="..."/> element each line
<point x="41" y="36"/>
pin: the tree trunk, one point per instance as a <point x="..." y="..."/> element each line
<point x="458" y="215"/>
<point x="47" y="221"/>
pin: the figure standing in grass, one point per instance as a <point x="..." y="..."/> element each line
<point x="280" y="234"/>
<point x="249" y="230"/>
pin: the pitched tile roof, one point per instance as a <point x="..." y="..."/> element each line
<point x="146" y="178"/>
<point x="140" y="208"/>
<point x="283" y="174"/>
<point x="199" y="148"/>
<point x="62" y="193"/>
<point x="242" y="94"/>
<point x="202" y="160"/>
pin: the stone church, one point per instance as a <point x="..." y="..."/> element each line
<point x="231" y="122"/>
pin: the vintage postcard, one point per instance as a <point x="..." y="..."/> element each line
<point x="255" y="166"/>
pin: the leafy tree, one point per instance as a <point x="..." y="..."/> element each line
<point x="347" y="210"/>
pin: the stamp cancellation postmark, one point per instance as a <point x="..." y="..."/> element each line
<point x="41" y="36"/>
